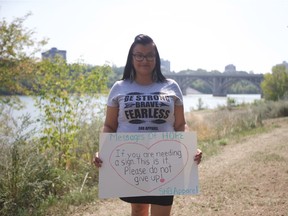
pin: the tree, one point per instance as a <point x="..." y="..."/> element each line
<point x="17" y="55"/>
<point x="275" y="85"/>
<point x="63" y="89"/>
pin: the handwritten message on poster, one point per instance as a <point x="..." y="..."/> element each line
<point x="140" y="164"/>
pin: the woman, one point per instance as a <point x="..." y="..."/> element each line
<point x="145" y="101"/>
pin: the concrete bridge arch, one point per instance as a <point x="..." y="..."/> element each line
<point x="219" y="83"/>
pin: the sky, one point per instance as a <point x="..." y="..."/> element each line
<point x="191" y="34"/>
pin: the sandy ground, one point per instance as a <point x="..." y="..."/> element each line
<point x="249" y="177"/>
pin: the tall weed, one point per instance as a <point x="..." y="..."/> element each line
<point x="25" y="176"/>
<point x="218" y="123"/>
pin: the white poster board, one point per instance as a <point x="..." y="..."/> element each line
<point x="141" y="164"/>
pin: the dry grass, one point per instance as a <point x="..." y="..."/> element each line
<point x="215" y="124"/>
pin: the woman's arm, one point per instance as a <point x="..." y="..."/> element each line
<point x="180" y="123"/>
<point x="110" y="126"/>
<point x="111" y="120"/>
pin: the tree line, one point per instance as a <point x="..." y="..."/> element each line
<point x="21" y="73"/>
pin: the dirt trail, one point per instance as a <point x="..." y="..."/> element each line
<point x="249" y="177"/>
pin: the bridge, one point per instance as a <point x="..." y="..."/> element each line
<point x="218" y="83"/>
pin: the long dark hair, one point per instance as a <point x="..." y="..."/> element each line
<point x="129" y="68"/>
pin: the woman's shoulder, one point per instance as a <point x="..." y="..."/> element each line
<point x="120" y="83"/>
<point x="171" y="81"/>
<point x="121" y="86"/>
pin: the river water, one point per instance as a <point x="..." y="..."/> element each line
<point x="210" y="102"/>
<point x="191" y="102"/>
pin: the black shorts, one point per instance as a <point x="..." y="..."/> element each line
<point x="158" y="200"/>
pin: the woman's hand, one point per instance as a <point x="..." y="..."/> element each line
<point x="97" y="161"/>
<point x="198" y="156"/>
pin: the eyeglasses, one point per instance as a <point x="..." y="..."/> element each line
<point x="140" y="57"/>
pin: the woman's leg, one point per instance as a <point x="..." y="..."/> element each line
<point x="158" y="210"/>
<point x="139" y="209"/>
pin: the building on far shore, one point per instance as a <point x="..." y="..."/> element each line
<point x="285" y="64"/>
<point x="53" y="52"/>
<point x="165" y="66"/>
<point x="230" y="68"/>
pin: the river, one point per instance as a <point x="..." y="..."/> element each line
<point x="210" y="102"/>
<point x="191" y="102"/>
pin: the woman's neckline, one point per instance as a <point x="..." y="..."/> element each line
<point x="143" y="83"/>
